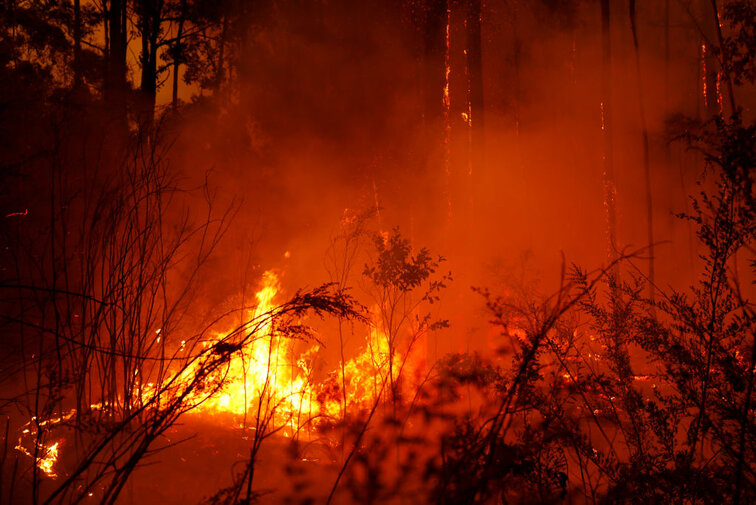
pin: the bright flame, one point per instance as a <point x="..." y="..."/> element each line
<point x="47" y="461"/>
<point x="269" y="379"/>
<point x="361" y="383"/>
<point x="46" y="456"/>
<point x="264" y="374"/>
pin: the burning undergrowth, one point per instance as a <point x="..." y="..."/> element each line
<point x="257" y="380"/>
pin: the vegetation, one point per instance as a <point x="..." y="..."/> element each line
<point x="119" y="322"/>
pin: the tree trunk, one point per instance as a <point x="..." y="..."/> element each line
<point x="149" y="28"/>
<point x="434" y="38"/>
<point x="178" y="53"/>
<point x="646" y="157"/>
<point x="434" y="29"/>
<point x="610" y="191"/>
<point x="475" y="75"/>
<point x="474" y="36"/>
<point x="115" y="79"/>
<point x="724" y="58"/>
<point x="77" y="45"/>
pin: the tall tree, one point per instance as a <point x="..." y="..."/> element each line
<point x="178" y="52"/>
<point x="433" y="28"/>
<point x="610" y="190"/>
<point x="646" y="158"/>
<point x="475" y="73"/>
<point x="150" y="20"/>
<point x="77" y="44"/>
<point x="115" y="75"/>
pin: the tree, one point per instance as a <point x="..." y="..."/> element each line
<point x="394" y="275"/>
<point x="646" y="156"/>
<point x="610" y="190"/>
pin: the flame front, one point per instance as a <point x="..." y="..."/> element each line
<point x="265" y="371"/>
<point x="268" y="378"/>
<point x="268" y="374"/>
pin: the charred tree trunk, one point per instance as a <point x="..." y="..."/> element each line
<point x="434" y="46"/>
<point x="150" y="18"/>
<point x="646" y="158"/>
<point x="709" y="64"/>
<point x="610" y="191"/>
<point x="475" y="101"/>
<point x="433" y="28"/>
<point x="724" y="62"/>
<point x="475" y="75"/>
<point x="115" y="78"/>
<point x="178" y="53"/>
<point x="77" y="46"/>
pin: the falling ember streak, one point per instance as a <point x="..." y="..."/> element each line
<point x="24" y="213"/>
<point x="719" y="93"/>
<point x="703" y="75"/>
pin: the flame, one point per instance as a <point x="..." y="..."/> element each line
<point x="266" y="370"/>
<point x="269" y="369"/>
<point x="47" y="456"/>
<point x="47" y="461"/>
<point x="361" y="382"/>
<point x="269" y="378"/>
<point x="269" y="372"/>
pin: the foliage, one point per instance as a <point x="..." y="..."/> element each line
<point x="740" y="44"/>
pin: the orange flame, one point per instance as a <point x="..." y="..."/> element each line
<point x="267" y="377"/>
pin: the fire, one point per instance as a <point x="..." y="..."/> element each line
<point x="363" y="380"/>
<point x="269" y="378"/>
<point x="47" y="456"/>
<point x="269" y="374"/>
<point x="47" y="461"/>
<point x="266" y="370"/>
<point x="703" y="76"/>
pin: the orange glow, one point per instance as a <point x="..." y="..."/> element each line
<point x="703" y="75"/>
<point x="269" y="374"/>
<point x="47" y="456"/>
<point x="47" y="461"/>
<point x="265" y="371"/>
<point x="269" y="378"/>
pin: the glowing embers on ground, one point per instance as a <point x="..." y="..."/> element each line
<point x="46" y="456"/>
<point x="45" y="453"/>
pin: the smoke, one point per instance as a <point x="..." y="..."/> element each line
<point x="337" y="111"/>
<point x="330" y="118"/>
